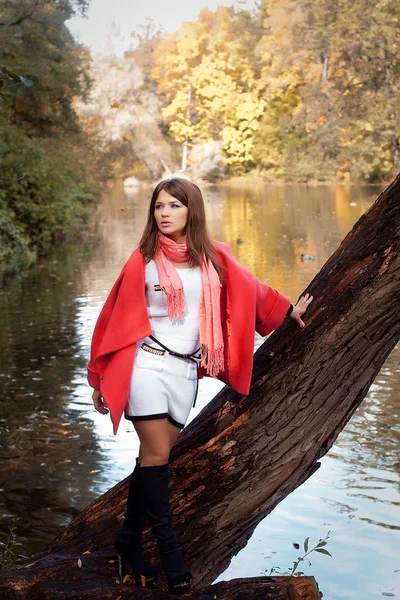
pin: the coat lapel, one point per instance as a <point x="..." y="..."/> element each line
<point x="129" y="321"/>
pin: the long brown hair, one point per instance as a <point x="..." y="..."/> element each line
<point x="197" y="237"/>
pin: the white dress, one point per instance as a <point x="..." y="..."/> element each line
<point x="162" y="385"/>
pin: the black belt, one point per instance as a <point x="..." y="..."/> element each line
<point x="195" y="359"/>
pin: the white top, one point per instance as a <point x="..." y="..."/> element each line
<point x="181" y="335"/>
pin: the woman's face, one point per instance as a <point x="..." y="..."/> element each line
<point x="171" y="216"/>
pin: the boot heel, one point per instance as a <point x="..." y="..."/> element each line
<point x="145" y="578"/>
<point x="145" y="581"/>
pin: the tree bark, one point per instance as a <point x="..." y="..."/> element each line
<point x="86" y="584"/>
<point x="243" y="454"/>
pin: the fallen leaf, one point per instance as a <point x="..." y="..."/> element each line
<point x="79" y="563"/>
<point x="118" y="580"/>
<point x="94" y="471"/>
<point x="126" y="578"/>
<point x="111" y="561"/>
<point x="87" y="552"/>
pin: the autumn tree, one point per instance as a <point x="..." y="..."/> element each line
<point x="330" y="77"/>
<point x="207" y="77"/>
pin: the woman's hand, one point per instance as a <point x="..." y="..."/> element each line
<point x="99" y="402"/>
<point x="300" y="308"/>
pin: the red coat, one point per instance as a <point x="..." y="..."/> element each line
<point x="246" y="304"/>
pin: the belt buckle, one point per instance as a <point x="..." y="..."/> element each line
<point x="152" y="350"/>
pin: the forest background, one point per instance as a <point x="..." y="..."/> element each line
<point x="293" y="91"/>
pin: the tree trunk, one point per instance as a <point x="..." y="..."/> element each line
<point x="243" y="454"/>
<point x="184" y="156"/>
<point x="85" y="584"/>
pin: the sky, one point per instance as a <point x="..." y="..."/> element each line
<point x="116" y="19"/>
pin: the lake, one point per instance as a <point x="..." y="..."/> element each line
<point x="58" y="454"/>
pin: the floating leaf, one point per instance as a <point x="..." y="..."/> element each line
<point x="79" y="563"/>
<point x="26" y="81"/>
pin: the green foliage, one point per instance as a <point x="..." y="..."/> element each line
<point x="319" y="547"/>
<point x="46" y="189"/>
<point x="43" y="193"/>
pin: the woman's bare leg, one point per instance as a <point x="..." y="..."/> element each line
<point x="156" y="440"/>
<point x="173" y="434"/>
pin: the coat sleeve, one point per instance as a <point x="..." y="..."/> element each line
<point x="93" y="376"/>
<point x="271" y="307"/>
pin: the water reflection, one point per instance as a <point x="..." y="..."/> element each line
<point x="58" y="454"/>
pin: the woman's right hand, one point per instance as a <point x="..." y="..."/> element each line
<point x="99" y="402"/>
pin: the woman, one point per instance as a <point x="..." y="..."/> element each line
<point x="182" y="308"/>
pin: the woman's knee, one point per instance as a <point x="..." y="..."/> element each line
<point x="150" y="459"/>
<point x="154" y="442"/>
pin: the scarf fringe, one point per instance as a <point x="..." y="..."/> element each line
<point x="212" y="360"/>
<point x="176" y="303"/>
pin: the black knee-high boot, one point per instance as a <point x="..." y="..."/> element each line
<point x="128" y="542"/>
<point x="154" y="484"/>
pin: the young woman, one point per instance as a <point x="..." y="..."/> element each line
<point x="181" y="308"/>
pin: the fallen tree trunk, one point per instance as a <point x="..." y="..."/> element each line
<point x="242" y="455"/>
<point x="85" y="584"/>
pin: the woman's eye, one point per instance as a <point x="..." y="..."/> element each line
<point x="157" y="206"/>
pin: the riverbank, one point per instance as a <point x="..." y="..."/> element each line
<point x="258" y="179"/>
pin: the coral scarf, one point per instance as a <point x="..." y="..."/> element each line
<point x="211" y="340"/>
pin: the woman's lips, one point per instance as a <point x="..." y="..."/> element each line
<point x="165" y="223"/>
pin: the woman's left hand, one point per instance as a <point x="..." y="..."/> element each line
<point x="300" y="308"/>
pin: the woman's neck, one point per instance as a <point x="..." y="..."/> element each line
<point x="178" y="238"/>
